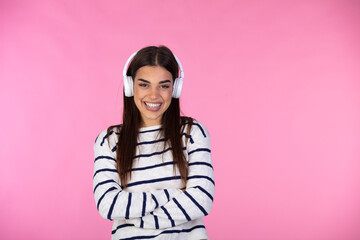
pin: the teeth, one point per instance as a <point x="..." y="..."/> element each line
<point x="153" y="105"/>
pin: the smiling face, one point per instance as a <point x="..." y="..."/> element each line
<point x="153" y="86"/>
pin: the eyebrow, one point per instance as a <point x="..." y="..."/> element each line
<point x="161" y="82"/>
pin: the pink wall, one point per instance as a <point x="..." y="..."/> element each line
<point x="277" y="83"/>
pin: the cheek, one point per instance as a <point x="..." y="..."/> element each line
<point x="168" y="97"/>
<point x="137" y="93"/>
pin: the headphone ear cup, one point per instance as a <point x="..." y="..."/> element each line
<point x="177" y="88"/>
<point x="128" y="86"/>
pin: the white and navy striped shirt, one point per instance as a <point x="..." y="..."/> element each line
<point x="153" y="206"/>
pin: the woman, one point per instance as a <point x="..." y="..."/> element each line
<point x="153" y="174"/>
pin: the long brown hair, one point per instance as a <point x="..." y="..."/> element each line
<point x="172" y="123"/>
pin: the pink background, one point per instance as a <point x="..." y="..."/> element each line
<point x="277" y="84"/>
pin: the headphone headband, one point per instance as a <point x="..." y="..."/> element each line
<point x="128" y="63"/>
<point x="129" y="83"/>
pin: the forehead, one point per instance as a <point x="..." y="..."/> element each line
<point x="153" y="74"/>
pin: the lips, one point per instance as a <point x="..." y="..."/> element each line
<point x="152" y="106"/>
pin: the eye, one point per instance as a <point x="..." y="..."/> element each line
<point x="165" y="86"/>
<point x="143" y="85"/>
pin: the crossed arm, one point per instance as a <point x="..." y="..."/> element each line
<point x="158" y="208"/>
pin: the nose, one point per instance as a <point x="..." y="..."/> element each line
<point x="154" y="93"/>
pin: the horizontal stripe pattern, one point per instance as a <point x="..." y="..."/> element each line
<point x="199" y="150"/>
<point x="167" y="194"/>
<point x="112" y="206"/>
<point x="154" y="153"/>
<point x="201" y="129"/>
<point x="201" y="163"/>
<point x="97" y="138"/>
<point x="190" y="138"/>
<point x="174" y="231"/>
<point x="101" y="198"/>
<point x="152" y="166"/>
<point x="152" y="130"/>
<point x="114" y="148"/>
<point x="104" y="182"/>
<point x="104" y="157"/>
<point x="182" y="209"/>
<point x="155" y="180"/>
<point x="156" y="202"/>
<point x="105" y="137"/>
<point x="156" y="222"/>
<point x="104" y="170"/>
<point x="168" y="215"/>
<point x="206" y="192"/>
<point x="150" y="142"/>
<point x="205" y="177"/>
<point x="121" y="226"/>
<point x="127" y="214"/>
<point x="196" y="203"/>
<point x="153" y="169"/>
<point x="144" y="205"/>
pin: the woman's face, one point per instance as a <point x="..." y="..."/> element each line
<point x="153" y="86"/>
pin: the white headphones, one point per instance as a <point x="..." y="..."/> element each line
<point x="129" y="82"/>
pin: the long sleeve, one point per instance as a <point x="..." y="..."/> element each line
<point x="111" y="200"/>
<point x="196" y="201"/>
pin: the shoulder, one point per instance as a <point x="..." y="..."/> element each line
<point x="197" y="137"/>
<point x="193" y="126"/>
<point x="195" y="130"/>
<point x="108" y="135"/>
<point x="199" y="129"/>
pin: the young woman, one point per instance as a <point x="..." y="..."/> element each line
<point x="153" y="174"/>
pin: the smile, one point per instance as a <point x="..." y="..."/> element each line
<point x="153" y="105"/>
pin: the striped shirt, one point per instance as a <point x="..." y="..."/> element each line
<point x="153" y="206"/>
